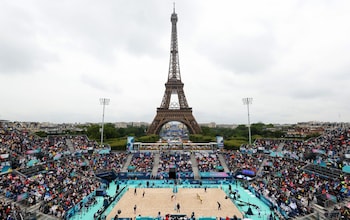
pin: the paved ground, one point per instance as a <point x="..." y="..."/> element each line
<point x="159" y="200"/>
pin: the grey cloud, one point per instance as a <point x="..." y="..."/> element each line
<point x="242" y="54"/>
<point x="99" y="84"/>
<point x="20" y="49"/>
<point x="102" y="29"/>
<point x="18" y="58"/>
<point x="310" y="93"/>
<point x="298" y="89"/>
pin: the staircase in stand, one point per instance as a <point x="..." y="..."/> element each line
<point x="156" y="164"/>
<point x="195" y="167"/>
<point x="223" y="163"/>
<point x="261" y="167"/>
<point x="127" y="163"/>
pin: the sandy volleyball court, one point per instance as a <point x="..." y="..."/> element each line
<point x="160" y="200"/>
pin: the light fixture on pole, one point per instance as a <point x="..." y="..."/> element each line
<point x="248" y="101"/>
<point x="104" y="102"/>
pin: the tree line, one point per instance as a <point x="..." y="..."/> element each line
<point x="233" y="137"/>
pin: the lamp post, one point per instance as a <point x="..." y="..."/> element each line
<point x="248" y="101"/>
<point x="104" y="102"/>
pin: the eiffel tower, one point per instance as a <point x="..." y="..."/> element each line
<point x="172" y="109"/>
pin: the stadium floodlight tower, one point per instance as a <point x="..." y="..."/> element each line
<point x="104" y="102"/>
<point x="248" y="101"/>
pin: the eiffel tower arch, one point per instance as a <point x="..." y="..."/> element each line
<point x="174" y="106"/>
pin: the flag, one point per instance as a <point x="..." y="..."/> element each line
<point x="220" y="141"/>
<point x="130" y="144"/>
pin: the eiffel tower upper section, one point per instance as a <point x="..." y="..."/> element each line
<point x="174" y="84"/>
<point x="174" y="110"/>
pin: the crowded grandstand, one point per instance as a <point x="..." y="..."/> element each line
<point x="57" y="176"/>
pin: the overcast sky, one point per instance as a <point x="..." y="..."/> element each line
<point x="57" y="58"/>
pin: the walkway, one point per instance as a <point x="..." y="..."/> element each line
<point x="155" y="164"/>
<point x="195" y="167"/>
<point x="127" y="163"/>
<point x="280" y="147"/>
<point x="70" y="145"/>
<point x="223" y="163"/>
<point x="261" y="167"/>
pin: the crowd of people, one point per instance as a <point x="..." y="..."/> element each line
<point x="58" y="183"/>
<point x="285" y="182"/>
<point x="65" y="186"/>
<point x="236" y="160"/>
<point x="108" y="161"/>
<point x="11" y="211"/>
<point x="64" y="169"/>
<point x="142" y="162"/>
<point x="180" y="160"/>
<point x="207" y="161"/>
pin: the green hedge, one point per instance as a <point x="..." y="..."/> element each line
<point x="117" y="143"/>
<point x="233" y="144"/>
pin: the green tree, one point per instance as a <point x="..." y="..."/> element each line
<point x="109" y="131"/>
<point x="233" y="138"/>
<point x="93" y="131"/>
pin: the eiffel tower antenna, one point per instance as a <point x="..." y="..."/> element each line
<point x="174" y="65"/>
<point x="174" y="110"/>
